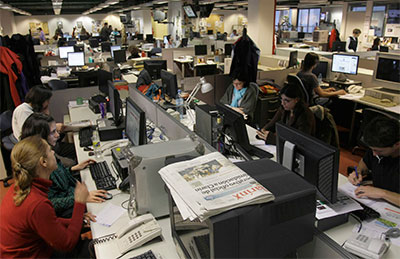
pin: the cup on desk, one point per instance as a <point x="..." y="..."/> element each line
<point x="79" y="100"/>
<point x="103" y="110"/>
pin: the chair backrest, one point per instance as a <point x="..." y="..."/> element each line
<point x="296" y="80"/>
<point x="6" y="143"/>
<point x="56" y="84"/>
<point x="5" y="123"/>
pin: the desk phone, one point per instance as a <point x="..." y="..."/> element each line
<point x="365" y="246"/>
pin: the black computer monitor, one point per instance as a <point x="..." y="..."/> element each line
<point x="210" y="32"/>
<point x="139" y="36"/>
<point x="387" y="72"/>
<point x="300" y="35"/>
<point x="115" y="103"/>
<point x="87" y="78"/>
<point x="314" y="160"/>
<point x="339" y="46"/>
<point x="383" y="49"/>
<point x="71" y="42"/>
<point x="135" y="126"/>
<point x="63" y="51"/>
<point x="205" y="70"/>
<point x="79" y="48"/>
<point x="196" y="34"/>
<point x="76" y="59"/>
<point x="346" y="64"/>
<point x="228" y="49"/>
<point x="119" y="56"/>
<point x="114" y="48"/>
<point x="103" y="78"/>
<point x="200" y="50"/>
<point x="292" y="59"/>
<point x="106" y="46"/>
<point x="184" y="42"/>
<point x="220" y="36"/>
<point x="322" y="69"/>
<point x="169" y="83"/>
<point x="93" y="42"/>
<point x="149" y="38"/>
<point x="154" y="67"/>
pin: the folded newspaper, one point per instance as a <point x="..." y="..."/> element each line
<point x="211" y="184"/>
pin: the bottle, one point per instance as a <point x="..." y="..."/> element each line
<point x="319" y="78"/>
<point x="179" y="104"/>
<point x="96" y="144"/>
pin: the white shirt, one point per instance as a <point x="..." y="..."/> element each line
<point x="20" y="114"/>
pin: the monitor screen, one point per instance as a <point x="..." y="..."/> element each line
<point x="93" y="42"/>
<point x="228" y="49"/>
<point x="210" y="32"/>
<point x="189" y="11"/>
<point x="384" y="49"/>
<point x="106" y="46"/>
<point x="119" y="56"/>
<point x="206" y="69"/>
<point x="154" y="67"/>
<point x="71" y="42"/>
<point x="339" y="46"/>
<point x="314" y="160"/>
<point x="321" y="68"/>
<point x="112" y="48"/>
<point x="292" y="58"/>
<point x="200" y="50"/>
<point x="63" y="51"/>
<point x="135" y="127"/>
<point x="169" y="83"/>
<point x="184" y="42"/>
<point x="115" y="102"/>
<point x="76" y="59"/>
<point x="387" y="71"/>
<point x="205" y="10"/>
<point x="79" y="48"/>
<point x="346" y="64"/>
<point x="139" y="36"/>
<point x="149" y="38"/>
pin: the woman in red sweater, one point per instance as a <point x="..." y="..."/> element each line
<point x="29" y="226"/>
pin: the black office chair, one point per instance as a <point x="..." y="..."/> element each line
<point x="296" y="80"/>
<point x="6" y="143"/>
<point x="56" y="84"/>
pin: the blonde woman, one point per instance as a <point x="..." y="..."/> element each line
<point x="29" y="226"/>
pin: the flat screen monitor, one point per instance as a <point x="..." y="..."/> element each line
<point x="115" y="103"/>
<point x="205" y="10"/>
<point x="346" y="64"/>
<point x="169" y="83"/>
<point x="135" y="126"/>
<point x="210" y="32"/>
<point x="321" y="68"/>
<point x="206" y="70"/>
<point x="196" y="34"/>
<point x="106" y="46"/>
<point x="189" y="11"/>
<point x="339" y="46"/>
<point x="71" y="42"/>
<point x="314" y="160"/>
<point x="292" y="58"/>
<point x="103" y="78"/>
<point x="139" y="36"/>
<point x="119" y="56"/>
<point x="383" y="49"/>
<point x="76" y="59"/>
<point x="228" y="49"/>
<point x="300" y="35"/>
<point x="200" y="50"/>
<point x="149" y="38"/>
<point x="154" y="67"/>
<point x="63" y="51"/>
<point x="112" y="48"/>
<point x="387" y="71"/>
<point x="79" y="48"/>
<point x="184" y="42"/>
<point x="93" y="42"/>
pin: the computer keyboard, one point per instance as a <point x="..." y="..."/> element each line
<point x="377" y="101"/>
<point x="146" y="255"/>
<point x="85" y="136"/>
<point x="366" y="213"/>
<point x="203" y="245"/>
<point x="102" y="176"/>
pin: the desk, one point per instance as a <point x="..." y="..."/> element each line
<point x="183" y="65"/>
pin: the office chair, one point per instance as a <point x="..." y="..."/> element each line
<point x="56" y="84"/>
<point x="367" y="115"/>
<point x="6" y="143"/>
<point x="251" y="120"/>
<point x="296" y="80"/>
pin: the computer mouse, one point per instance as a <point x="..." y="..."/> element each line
<point x="107" y="196"/>
<point x="91" y="153"/>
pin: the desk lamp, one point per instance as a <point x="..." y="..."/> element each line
<point x="205" y="88"/>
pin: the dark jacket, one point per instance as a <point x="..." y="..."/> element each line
<point x="353" y="43"/>
<point x="325" y="128"/>
<point x="248" y="102"/>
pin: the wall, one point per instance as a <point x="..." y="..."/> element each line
<point x="335" y="16"/>
<point x="144" y="17"/>
<point x="159" y="29"/>
<point x="7" y="24"/>
<point x="230" y="18"/>
<point x="175" y="17"/>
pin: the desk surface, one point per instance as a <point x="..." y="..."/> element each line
<point x="356" y="98"/>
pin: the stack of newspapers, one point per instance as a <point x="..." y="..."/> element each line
<point x="211" y="184"/>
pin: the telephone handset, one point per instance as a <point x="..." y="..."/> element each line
<point x="353" y="89"/>
<point x="140" y="230"/>
<point x="365" y="246"/>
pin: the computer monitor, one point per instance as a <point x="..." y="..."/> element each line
<point x="292" y="59"/>
<point x="87" y="78"/>
<point x="79" y="48"/>
<point x="135" y="127"/>
<point x="190" y="13"/>
<point x="154" y="67"/>
<point x="76" y="59"/>
<point x="119" y="56"/>
<point x="383" y="49"/>
<point x="196" y="34"/>
<point x="106" y="46"/>
<point x="71" y="42"/>
<point x="139" y="36"/>
<point x="115" y="103"/>
<point x="184" y="42"/>
<point x="314" y="160"/>
<point x="387" y="71"/>
<point x="93" y="42"/>
<point x="346" y="64"/>
<point x="228" y="49"/>
<point x="205" y="70"/>
<point x="300" y="35"/>
<point x="63" y="51"/>
<point x="169" y="83"/>
<point x="210" y="32"/>
<point x="103" y="78"/>
<point x="149" y="38"/>
<point x="322" y="68"/>
<point x="200" y="50"/>
<point x="339" y="46"/>
<point x="112" y="48"/>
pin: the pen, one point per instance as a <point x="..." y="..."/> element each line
<point x="355" y="169"/>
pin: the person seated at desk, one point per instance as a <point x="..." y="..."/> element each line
<point x="61" y="192"/>
<point x="168" y="42"/>
<point x="310" y="80"/>
<point x="233" y="34"/>
<point x="29" y="226"/>
<point x="293" y="112"/>
<point x="375" y="44"/>
<point x="241" y="97"/>
<point x="134" y="52"/>
<point x="381" y="161"/>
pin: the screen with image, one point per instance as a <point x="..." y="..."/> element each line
<point x="76" y="59"/>
<point x="63" y="51"/>
<point x="189" y="11"/>
<point x="346" y="64"/>
<point x="135" y="127"/>
<point x="112" y="48"/>
<point x="387" y="71"/>
<point x="200" y="50"/>
<point x="169" y="83"/>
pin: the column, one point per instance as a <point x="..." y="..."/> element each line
<point x="175" y="17"/>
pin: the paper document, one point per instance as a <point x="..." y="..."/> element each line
<point x="73" y="104"/>
<point x="344" y="205"/>
<point x="109" y="214"/>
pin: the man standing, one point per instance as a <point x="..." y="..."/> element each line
<point x="104" y="33"/>
<point x="352" y="41"/>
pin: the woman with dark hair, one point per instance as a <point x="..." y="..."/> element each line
<point x="375" y="44"/>
<point x="134" y="52"/>
<point x="294" y="112"/>
<point x="310" y="80"/>
<point x="61" y="192"/>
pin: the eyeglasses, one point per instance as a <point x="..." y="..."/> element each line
<point x="53" y="132"/>
<point x="286" y="100"/>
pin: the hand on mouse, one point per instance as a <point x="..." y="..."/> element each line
<point x="369" y="192"/>
<point x="262" y="135"/>
<point x="83" y="165"/>
<point x="96" y="196"/>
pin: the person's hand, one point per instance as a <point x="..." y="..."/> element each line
<point x="369" y="192"/>
<point x="60" y="127"/>
<point x="262" y="135"/>
<point x="264" y="131"/>
<point x="239" y="110"/>
<point x="96" y="196"/>
<point x="89" y="217"/>
<point x="330" y="89"/>
<point x="353" y="179"/>
<point x="341" y="92"/>
<point x="83" y="165"/>
<point x="81" y="192"/>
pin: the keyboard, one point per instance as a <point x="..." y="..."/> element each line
<point x="377" y="101"/>
<point x="146" y="255"/>
<point x="366" y="213"/>
<point x="203" y="245"/>
<point x="85" y="136"/>
<point x="102" y="176"/>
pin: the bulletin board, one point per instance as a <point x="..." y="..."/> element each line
<point x="214" y="22"/>
<point x="33" y="26"/>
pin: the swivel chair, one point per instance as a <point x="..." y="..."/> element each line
<point x="6" y="143"/>
<point x="296" y="80"/>
<point x="56" y="84"/>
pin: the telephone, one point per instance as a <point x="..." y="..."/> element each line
<point x="140" y="230"/>
<point x="365" y="246"/>
<point x="353" y="89"/>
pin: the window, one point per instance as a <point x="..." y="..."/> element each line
<point x="307" y="19"/>
<point x="377" y="19"/>
<point x="284" y="18"/>
<point x="357" y="8"/>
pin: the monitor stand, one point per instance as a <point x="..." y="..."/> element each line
<point x="341" y="77"/>
<point x="108" y="130"/>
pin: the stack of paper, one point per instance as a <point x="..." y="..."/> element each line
<point x="211" y="184"/>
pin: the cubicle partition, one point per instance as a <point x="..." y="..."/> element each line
<point x="170" y="54"/>
<point x="278" y="76"/>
